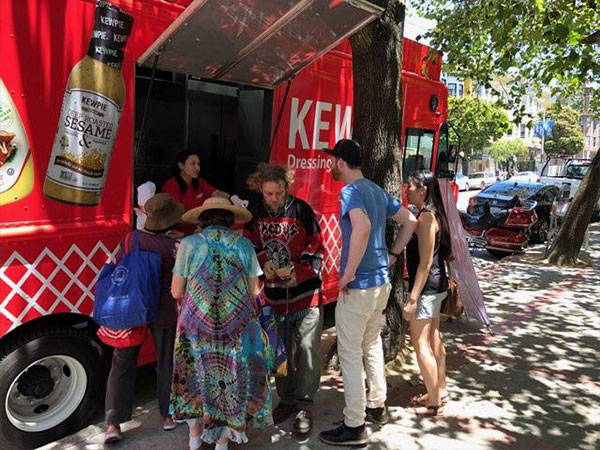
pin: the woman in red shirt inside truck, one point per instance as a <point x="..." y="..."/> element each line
<point x="187" y="188"/>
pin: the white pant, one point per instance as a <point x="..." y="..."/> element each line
<point x="359" y="318"/>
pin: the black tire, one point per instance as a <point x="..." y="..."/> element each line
<point x="52" y="344"/>
<point x="498" y="253"/>
<point x="540" y="234"/>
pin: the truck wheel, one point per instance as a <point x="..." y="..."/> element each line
<point x="52" y="384"/>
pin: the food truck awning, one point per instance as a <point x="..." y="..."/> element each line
<point x="255" y="42"/>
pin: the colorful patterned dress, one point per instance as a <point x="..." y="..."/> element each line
<point x="221" y="357"/>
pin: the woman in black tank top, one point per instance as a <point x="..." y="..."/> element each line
<point x="426" y="254"/>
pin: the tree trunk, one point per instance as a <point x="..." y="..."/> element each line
<point x="565" y="248"/>
<point x="377" y="65"/>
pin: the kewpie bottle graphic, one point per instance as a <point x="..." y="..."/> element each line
<point x="90" y="114"/>
<point x="16" y="163"/>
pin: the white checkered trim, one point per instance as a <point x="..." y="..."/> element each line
<point x="32" y="301"/>
<point x="332" y="241"/>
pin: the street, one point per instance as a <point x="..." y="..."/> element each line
<point x="533" y="384"/>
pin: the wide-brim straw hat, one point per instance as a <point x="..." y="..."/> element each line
<point x="240" y="214"/>
<point x="162" y="212"/>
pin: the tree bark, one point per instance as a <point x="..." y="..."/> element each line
<point x="565" y="249"/>
<point x="377" y="68"/>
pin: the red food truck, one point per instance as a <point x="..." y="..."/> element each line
<point x="98" y="97"/>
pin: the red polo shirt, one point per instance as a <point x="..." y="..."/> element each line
<point x="190" y="198"/>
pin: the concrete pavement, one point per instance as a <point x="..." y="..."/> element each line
<point x="534" y="384"/>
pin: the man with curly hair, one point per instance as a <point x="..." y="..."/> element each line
<point x="287" y="238"/>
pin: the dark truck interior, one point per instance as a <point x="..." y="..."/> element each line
<point x="228" y="125"/>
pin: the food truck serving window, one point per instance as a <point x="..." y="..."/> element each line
<point x="418" y="149"/>
<point x="256" y="43"/>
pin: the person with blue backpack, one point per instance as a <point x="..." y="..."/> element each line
<point x="162" y="215"/>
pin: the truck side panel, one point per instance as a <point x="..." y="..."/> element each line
<point x="51" y="252"/>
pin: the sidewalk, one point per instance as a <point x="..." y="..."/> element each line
<point x="534" y="384"/>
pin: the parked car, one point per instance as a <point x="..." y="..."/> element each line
<point x="527" y="177"/>
<point x="567" y="173"/>
<point x="462" y="181"/>
<point x="505" y="217"/>
<point x="479" y="180"/>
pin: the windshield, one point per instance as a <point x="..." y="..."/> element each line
<point x="511" y="189"/>
<point x="569" y="169"/>
<point x="476" y="175"/>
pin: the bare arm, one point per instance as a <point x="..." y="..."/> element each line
<point x="408" y="223"/>
<point x="253" y="286"/>
<point x="178" y="286"/>
<point x="361" y="228"/>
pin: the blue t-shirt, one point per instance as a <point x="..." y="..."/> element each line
<point x="378" y="205"/>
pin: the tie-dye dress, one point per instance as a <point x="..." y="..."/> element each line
<point x="221" y="357"/>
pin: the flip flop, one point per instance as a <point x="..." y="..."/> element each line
<point x="429" y="411"/>
<point x="418" y="400"/>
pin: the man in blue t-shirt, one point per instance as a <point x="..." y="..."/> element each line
<point x="364" y="290"/>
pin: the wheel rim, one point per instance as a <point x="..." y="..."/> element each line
<point x="46" y="393"/>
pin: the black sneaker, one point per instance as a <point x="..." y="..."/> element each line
<point x="303" y="422"/>
<point x="283" y="412"/>
<point x="344" y="435"/>
<point x="379" y="416"/>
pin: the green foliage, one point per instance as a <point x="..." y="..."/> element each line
<point x="474" y="123"/>
<point x="538" y="44"/>
<point x="567" y="137"/>
<point x="503" y="149"/>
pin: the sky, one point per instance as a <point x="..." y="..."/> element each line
<point x="414" y="26"/>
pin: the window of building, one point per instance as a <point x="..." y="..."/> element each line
<point x="452" y="89"/>
<point x="460" y="89"/>
<point x="418" y="150"/>
<point x="522" y="132"/>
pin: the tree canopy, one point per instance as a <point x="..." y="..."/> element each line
<point x="503" y="149"/>
<point x="537" y="43"/>
<point x="474" y="123"/>
<point x="567" y="137"/>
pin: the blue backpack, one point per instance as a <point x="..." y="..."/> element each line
<point x="128" y="293"/>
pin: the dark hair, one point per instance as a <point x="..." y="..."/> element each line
<point x="182" y="158"/>
<point x="435" y="204"/>
<point x="351" y="165"/>
<point x="216" y="217"/>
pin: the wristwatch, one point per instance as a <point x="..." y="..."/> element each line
<point x="397" y="255"/>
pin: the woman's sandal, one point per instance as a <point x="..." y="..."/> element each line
<point x="420" y="400"/>
<point x="429" y="410"/>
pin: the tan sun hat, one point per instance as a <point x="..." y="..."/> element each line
<point x="240" y="214"/>
<point x="162" y="212"/>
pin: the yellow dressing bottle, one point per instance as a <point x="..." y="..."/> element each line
<point x="16" y="163"/>
<point x="91" y="110"/>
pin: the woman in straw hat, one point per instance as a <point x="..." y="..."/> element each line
<point x="220" y="381"/>
<point x="162" y="214"/>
